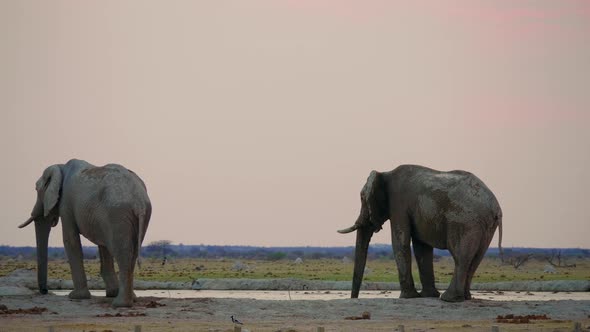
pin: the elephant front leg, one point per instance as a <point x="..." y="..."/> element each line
<point x="107" y="271"/>
<point x="400" y="240"/>
<point x="73" y="249"/>
<point x="424" y="259"/>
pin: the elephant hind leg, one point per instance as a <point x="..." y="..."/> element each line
<point x="455" y="292"/>
<point x="125" y="296"/>
<point x="463" y="257"/>
<point x="475" y="264"/>
<point x="471" y="272"/>
<point x="424" y="259"/>
<point x="124" y="250"/>
<point x="107" y="271"/>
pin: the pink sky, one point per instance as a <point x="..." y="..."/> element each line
<point x="258" y="122"/>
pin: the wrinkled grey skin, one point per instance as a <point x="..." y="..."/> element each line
<point x="446" y="210"/>
<point x="109" y="205"/>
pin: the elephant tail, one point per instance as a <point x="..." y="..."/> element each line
<point x="140" y="235"/>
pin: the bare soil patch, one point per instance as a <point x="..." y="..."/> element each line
<point x="213" y="314"/>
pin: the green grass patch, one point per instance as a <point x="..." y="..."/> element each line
<point x="186" y="269"/>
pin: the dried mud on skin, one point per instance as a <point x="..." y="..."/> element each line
<point x="520" y="319"/>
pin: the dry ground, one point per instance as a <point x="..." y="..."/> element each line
<point x="207" y="314"/>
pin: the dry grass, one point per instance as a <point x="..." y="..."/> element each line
<point x="186" y="269"/>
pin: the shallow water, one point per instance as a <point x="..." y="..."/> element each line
<point x="332" y="295"/>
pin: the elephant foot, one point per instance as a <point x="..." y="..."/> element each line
<point x="430" y="293"/>
<point x="409" y="294"/>
<point x="452" y="297"/>
<point x="468" y="295"/>
<point x="79" y="294"/>
<point x="112" y="292"/>
<point x="120" y="301"/>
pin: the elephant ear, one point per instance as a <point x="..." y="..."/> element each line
<point x="375" y="197"/>
<point x="49" y="185"/>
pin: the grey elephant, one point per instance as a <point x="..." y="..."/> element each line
<point x="431" y="209"/>
<point x="109" y="205"/>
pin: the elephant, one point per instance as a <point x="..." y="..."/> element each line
<point x="109" y="206"/>
<point x="431" y="209"/>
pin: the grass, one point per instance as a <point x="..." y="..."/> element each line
<point x="186" y="269"/>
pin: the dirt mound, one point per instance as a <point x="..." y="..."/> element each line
<point x="124" y="314"/>
<point x="31" y="311"/>
<point x="520" y="319"/>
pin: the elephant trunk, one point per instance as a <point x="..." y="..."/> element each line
<point x="363" y="237"/>
<point x="42" y="229"/>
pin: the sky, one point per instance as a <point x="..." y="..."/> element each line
<point x="258" y="122"/>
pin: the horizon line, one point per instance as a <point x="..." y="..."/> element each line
<point x="296" y="246"/>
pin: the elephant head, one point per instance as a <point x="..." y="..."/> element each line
<point x="374" y="212"/>
<point x="45" y="214"/>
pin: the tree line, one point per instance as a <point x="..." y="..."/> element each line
<point x="165" y="248"/>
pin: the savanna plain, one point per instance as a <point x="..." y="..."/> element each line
<point x="164" y="313"/>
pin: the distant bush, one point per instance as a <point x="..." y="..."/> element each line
<point x="276" y="256"/>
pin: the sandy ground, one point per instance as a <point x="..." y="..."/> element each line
<point x="28" y="279"/>
<point x="209" y="314"/>
<point x="213" y="314"/>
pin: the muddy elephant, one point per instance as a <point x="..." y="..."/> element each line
<point x="431" y="209"/>
<point x="109" y="206"/>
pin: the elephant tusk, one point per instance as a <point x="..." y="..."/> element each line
<point x="26" y="223"/>
<point x="349" y="229"/>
